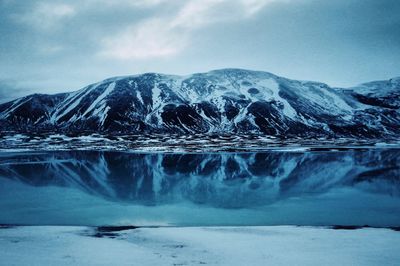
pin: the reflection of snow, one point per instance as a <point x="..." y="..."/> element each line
<point x="222" y="180"/>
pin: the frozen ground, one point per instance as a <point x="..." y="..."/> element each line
<point x="276" y="245"/>
<point x="181" y="143"/>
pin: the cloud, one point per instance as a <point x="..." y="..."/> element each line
<point x="169" y="35"/>
<point x="10" y="90"/>
<point x="46" y="15"/>
<point x="60" y="45"/>
<point x="152" y="38"/>
<point x="136" y="3"/>
<point x="253" y="6"/>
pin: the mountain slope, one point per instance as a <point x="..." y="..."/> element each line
<point x="221" y="101"/>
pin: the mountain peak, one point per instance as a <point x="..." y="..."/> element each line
<point x="228" y="100"/>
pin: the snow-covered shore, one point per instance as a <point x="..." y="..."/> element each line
<point x="266" y="245"/>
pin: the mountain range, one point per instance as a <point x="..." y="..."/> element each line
<point x="226" y="101"/>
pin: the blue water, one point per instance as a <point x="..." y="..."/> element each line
<point x="325" y="187"/>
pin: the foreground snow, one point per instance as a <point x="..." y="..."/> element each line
<point x="276" y="245"/>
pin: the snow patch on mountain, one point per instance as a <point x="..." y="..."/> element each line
<point x="219" y="101"/>
<point x="100" y="98"/>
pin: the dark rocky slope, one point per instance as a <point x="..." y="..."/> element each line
<point x="222" y="101"/>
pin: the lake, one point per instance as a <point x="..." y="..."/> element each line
<point x="344" y="186"/>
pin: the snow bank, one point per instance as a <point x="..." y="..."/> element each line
<point x="276" y="245"/>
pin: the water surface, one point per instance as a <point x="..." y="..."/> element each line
<point x="320" y="187"/>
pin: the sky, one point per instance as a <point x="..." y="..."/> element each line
<point x="50" y="46"/>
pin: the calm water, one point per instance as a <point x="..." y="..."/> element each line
<point x="348" y="187"/>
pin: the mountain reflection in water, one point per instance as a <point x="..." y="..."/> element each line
<point x="319" y="187"/>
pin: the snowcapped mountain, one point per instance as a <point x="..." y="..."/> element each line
<point x="221" y="101"/>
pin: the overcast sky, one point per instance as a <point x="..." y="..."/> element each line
<point x="50" y="46"/>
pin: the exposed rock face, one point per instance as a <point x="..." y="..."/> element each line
<point x="220" y="101"/>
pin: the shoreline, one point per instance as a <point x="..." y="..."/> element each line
<point x="246" y="245"/>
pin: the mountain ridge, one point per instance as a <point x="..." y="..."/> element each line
<point x="228" y="101"/>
